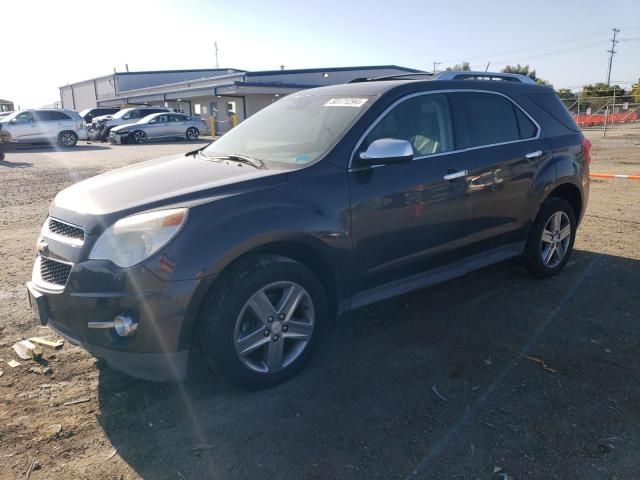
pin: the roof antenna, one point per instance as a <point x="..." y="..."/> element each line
<point x="215" y="45"/>
<point x="487" y="69"/>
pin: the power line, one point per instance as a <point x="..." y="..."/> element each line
<point x="612" y="53"/>
<point x="527" y="49"/>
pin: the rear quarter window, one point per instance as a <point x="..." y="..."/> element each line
<point x="551" y="104"/>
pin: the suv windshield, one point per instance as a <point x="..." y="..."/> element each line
<point x="296" y="130"/>
<point x="122" y="113"/>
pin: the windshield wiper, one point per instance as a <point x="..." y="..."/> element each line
<point x="235" y="157"/>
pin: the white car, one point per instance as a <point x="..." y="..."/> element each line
<point x="101" y="126"/>
<point x="64" y="127"/>
<point x="160" y="126"/>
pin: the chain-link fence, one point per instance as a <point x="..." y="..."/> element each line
<point x="603" y="112"/>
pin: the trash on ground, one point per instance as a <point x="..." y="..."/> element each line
<point x="1" y="372"/>
<point x="57" y="345"/>
<point x="47" y="371"/>
<point x="76" y="401"/>
<point x="435" y="390"/>
<point x="488" y="361"/>
<point x="13" y="363"/>
<point x="112" y="454"/>
<point x="542" y="363"/>
<point x="56" y="428"/>
<point x="27" y="350"/>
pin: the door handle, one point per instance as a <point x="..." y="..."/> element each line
<point x="453" y="176"/>
<point x="536" y="154"/>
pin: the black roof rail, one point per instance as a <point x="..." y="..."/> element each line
<point x="399" y="76"/>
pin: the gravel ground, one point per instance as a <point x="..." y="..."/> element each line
<point x="493" y="375"/>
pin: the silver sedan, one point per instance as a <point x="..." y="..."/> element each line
<point x="159" y="126"/>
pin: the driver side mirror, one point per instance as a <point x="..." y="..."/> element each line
<point x="387" y="150"/>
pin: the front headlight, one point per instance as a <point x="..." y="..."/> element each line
<point x="120" y="132"/>
<point x="132" y="239"/>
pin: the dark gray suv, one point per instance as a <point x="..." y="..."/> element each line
<point x="327" y="200"/>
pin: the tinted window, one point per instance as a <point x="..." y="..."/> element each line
<point x="554" y="107"/>
<point x="525" y="125"/>
<point x="24" y="117"/>
<point x="51" y="116"/>
<point x="424" y="121"/>
<point x="179" y="118"/>
<point x="132" y="114"/>
<point x="489" y="119"/>
<point x="162" y="118"/>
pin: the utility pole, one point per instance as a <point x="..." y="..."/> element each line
<point x="435" y="65"/>
<point x="215" y="44"/>
<point x="612" y="53"/>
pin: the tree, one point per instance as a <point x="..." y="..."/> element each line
<point x="460" y="67"/>
<point x="601" y="89"/>
<point x="566" y="94"/>
<point x="524" y="70"/>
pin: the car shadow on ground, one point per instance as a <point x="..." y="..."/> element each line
<point x="495" y="369"/>
<point x="8" y="164"/>
<point x="55" y="148"/>
<point x="196" y="143"/>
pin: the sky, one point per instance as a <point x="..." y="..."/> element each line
<point x="49" y="43"/>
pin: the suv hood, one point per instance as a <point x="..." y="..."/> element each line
<point x="153" y="184"/>
<point x="102" y="118"/>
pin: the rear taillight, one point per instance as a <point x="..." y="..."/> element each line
<point x="586" y="150"/>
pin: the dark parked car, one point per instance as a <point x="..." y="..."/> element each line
<point x="90" y="113"/>
<point x="327" y="200"/>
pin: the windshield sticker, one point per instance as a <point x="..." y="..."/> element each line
<point x="346" y="102"/>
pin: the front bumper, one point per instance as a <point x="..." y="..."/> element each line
<point x="119" y="139"/>
<point x="97" y="291"/>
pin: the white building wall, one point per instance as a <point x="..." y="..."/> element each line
<point x="66" y="96"/>
<point x="84" y="95"/>
<point x="255" y="103"/>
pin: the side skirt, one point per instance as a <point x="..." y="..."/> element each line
<point x="431" y="277"/>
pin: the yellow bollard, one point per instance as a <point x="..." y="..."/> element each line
<point x="212" y="119"/>
<point x="234" y="120"/>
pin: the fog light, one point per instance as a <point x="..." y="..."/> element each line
<point x="124" y="326"/>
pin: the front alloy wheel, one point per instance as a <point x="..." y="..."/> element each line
<point x="274" y="327"/>
<point x="262" y="320"/>
<point x="139" y="137"/>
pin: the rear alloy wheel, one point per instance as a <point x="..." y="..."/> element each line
<point x="139" y="137"/>
<point x="551" y="238"/>
<point x="192" y="133"/>
<point x="263" y="320"/>
<point x="67" y="139"/>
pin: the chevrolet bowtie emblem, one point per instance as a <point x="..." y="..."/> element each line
<point x="42" y="246"/>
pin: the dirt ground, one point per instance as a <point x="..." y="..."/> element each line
<point x="491" y="376"/>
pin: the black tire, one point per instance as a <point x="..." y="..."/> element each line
<point x="533" y="258"/>
<point x="67" y="139"/>
<point x="192" y="134"/>
<point x="221" y="312"/>
<point x="1" y="156"/>
<point x="139" y="137"/>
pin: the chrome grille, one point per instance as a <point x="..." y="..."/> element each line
<point x="65" y="230"/>
<point x="54" y="272"/>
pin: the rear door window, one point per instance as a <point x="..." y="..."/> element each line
<point x="52" y="116"/>
<point x="488" y="119"/>
<point x="424" y="121"/>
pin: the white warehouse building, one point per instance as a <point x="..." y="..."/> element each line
<point x="210" y="93"/>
